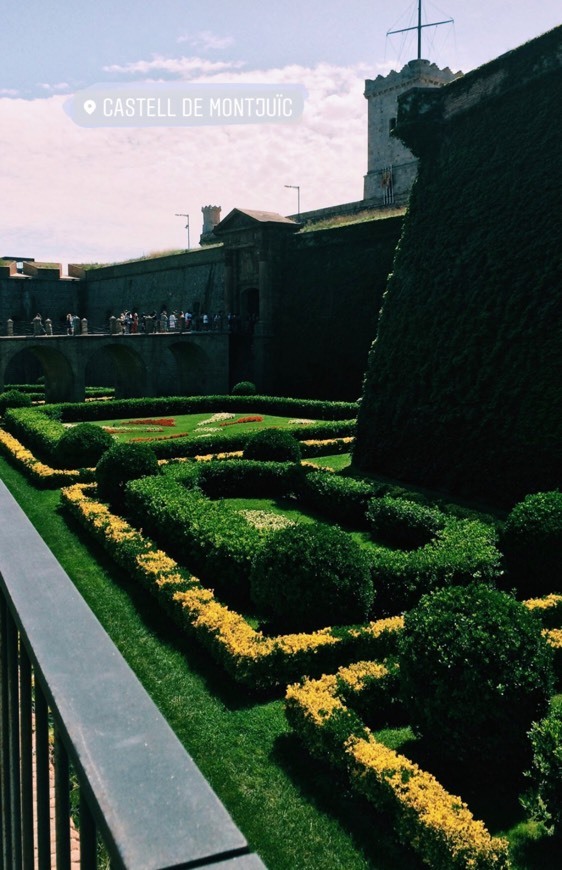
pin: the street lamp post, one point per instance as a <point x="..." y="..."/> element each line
<point x="298" y="190"/>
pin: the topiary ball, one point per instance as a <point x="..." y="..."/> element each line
<point x="531" y="542"/>
<point x="475" y="672"/>
<point x="244" y="388"/>
<point x="273" y="445"/>
<point x="121" y="463"/>
<point x="310" y="576"/>
<point x="82" y="446"/>
<point x="13" y="399"/>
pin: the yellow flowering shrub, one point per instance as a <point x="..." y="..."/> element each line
<point x="554" y="637"/>
<point x="548" y="609"/>
<point x="38" y="472"/>
<point x="248" y="655"/>
<point x="325" y="446"/>
<point x="438" y="825"/>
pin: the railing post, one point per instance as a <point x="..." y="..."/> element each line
<point x="43" y="801"/>
<point x="62" y="805"/>
<point x="6" y="828"/>
<point x="88" y="840"/>
<point x="14" y="740"/>
<point x="26" y="743"/>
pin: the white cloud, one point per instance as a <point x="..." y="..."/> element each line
<point x="180" y="67"/>
<point x="59" y="86"/>
<point x="105" y="194"/>
<point x="205" y="40"/>
<point x="8" y="92"/>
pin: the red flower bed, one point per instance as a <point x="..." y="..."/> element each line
<point x="256" y="419"/>
<point x="164" y="421"/>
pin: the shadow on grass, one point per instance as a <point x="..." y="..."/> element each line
<point x="493" y="799"/>
<point x="329" y="793"/>
<point x="159" y="624"/>
<point x="534" y="848"/>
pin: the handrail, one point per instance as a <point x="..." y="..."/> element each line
<point x="138" y="786"/>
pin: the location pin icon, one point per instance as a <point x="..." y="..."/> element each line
<point x="89" y="106"/>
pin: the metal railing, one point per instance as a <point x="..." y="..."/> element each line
<point x="68" y="699"/>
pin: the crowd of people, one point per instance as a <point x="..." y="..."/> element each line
<point x="130" y="322"/>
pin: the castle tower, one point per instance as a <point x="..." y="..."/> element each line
<point x="391" y="167"/>
<point x="211" y="217"/>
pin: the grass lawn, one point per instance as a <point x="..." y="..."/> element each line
<point x="337" y="462"/>
<point x="128" y="429"/>
<point x="292" y="810"/>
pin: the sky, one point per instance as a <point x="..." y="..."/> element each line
<point x="103" y="194"/>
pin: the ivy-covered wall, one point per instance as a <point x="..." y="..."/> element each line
<point x="333" y="283"/>
<point x="464" y="383"/>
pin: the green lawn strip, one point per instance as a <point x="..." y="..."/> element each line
<point x="336" y="463"/>
<point x="189" y="424"/>
<point x="290" y="808"/>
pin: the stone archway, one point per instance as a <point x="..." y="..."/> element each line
<point x="120" y="366"/>
<point x="63" y="381"/>
<point x="193" y="369"/>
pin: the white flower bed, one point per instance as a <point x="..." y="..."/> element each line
<point x="216" y="418"/>
<point x="265" y="521"/>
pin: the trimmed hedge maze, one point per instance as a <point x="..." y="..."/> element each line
<point x="180" y="537"/>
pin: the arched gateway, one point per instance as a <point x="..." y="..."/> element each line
<point x="140" y="365"/>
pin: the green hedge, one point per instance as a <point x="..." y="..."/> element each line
<point x="38" y="431"/>
<point x="244" y="388"/>
<point x="531" y="541"/>
<point x="343" y="499"/>
<point x="475" y="672"/>
<point x="464" y="550"/>
<point x="13" y="399"/>
<point x="544" y="800"/>
<point x="215" y="542"/>
<point x="304" y="576"/>
<point x="82" y="446"/>
<point x="277" y="405"/>
<point x="272" y="445"/>
<point x="120" y="464"/>
<point x="237" y="478"/>
<point x="461" y="551"/>
<point x="403" y="524"/>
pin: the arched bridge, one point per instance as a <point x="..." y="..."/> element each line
<point x="139" y="365"/>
